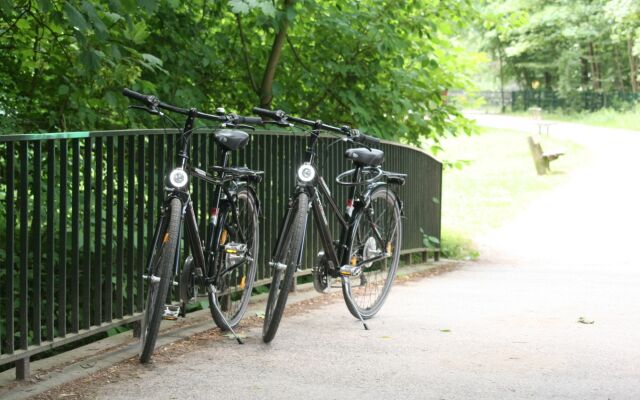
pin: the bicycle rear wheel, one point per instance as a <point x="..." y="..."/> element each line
<point x="162" y="260"/>
<point x="283" y="277"/>
<point x="377" y="231"/>
<point x="240" y="243"/>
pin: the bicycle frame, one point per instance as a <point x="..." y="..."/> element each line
<point x="204" y="259"/>
<point x="315" y="190"/>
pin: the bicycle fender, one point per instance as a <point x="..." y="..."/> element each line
<point x="371" y="188"/>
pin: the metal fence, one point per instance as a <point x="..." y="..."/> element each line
<point x="522" y="100"/>
<point x="78" y="207"/>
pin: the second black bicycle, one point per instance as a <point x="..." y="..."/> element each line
<point x="366" y="257"/>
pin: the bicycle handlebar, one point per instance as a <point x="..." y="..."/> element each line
<point x="152" y="103"/>
<point x="353" y="134"/>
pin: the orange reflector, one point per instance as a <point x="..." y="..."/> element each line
<point x="354" y="261"/>
<point x="243" y="282"/>
<point x="389" y="247"/>
<point x="223" y="237"/>
<point x="165" y="239"/>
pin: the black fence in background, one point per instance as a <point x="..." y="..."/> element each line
<point x="77" y="209"/>
<point x="523" y="100"/>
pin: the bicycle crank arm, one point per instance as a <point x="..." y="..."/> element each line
<point x="355" y="270"/>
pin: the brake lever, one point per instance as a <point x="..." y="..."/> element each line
<point x="243" y="126"/>
<point x="232" y="125"/>
<point x="354" y="134"/>
<point x="152" y="111"/>
<point x="279" y="123"/>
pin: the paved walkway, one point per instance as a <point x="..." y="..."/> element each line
<point x="502" y="328"/>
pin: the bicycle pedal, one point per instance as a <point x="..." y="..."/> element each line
<point x="171" y="313"/>
<point x="350" y="270"/>
<point x="151" y="278"/>
<point x="278" y="266"/>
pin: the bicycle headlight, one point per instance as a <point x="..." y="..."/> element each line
<point x="178" y="178"/>
<point x="306" y="173"/>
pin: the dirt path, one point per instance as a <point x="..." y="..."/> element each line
<point x="504" y="327"/>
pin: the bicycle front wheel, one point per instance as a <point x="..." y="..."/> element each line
<point x="377" y="235"/>
<point x="239" y="256"/>
<point x="285" y="266"/>
<point x="161" y="261"/>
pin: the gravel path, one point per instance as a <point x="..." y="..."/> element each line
<point x="504" y="327"/>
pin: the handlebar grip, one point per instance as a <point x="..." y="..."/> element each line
<point x="278" y="114"/>
<point x="250" y="120"/>
<point x="368" y="140"/>
<point x="135" y="95"/>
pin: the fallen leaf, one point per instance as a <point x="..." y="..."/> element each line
<point x="445" y="330"/>
<point x="583" y="320"/>
<point x="385" y="337"/>
<point x="260" y="314"/>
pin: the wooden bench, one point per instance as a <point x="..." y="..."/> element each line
<point x="540" y="158"/>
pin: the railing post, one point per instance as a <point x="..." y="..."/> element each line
<point x="23" y="369"/>
<point x="137" y="329"/>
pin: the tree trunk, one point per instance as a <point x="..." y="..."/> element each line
<point x="633" y="65"/>
<point x="503" y="108"/>
<point x="585" y="72"/>
<point x="619" y="75"/>
<point x="266" y="88"/>
<point x="594" y="68"/>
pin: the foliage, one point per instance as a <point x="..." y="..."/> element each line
<point x="568" y="45"/>
<point x="382" y="66"/>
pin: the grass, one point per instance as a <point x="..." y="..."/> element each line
<point x="495" y="184"/>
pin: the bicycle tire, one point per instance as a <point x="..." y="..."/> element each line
<point x="281" y="282"/>
<point x="241" y="279"/>
<point x="376" y="279"/>
<point x="162" y="261"/>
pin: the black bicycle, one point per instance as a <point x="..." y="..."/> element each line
<point x="225" y="266"/>
<point x="366" y="256"/>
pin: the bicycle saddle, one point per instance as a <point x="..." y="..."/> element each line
<point x="231" y="139"/>
<point x="364" y="157"/>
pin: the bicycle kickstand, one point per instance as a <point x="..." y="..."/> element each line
<point x="348" y="293"/>
<point x="214" y="300"/>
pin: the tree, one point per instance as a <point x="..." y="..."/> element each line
<point x="566" y="45"/>
<point x="381" y="66"/>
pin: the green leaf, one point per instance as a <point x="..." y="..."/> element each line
<point x="268" y="9"/>
<point x="94" y="18"/>
<point x="63" y="90"/>
<point x="6" y="6"/>
<point x="75" y="17"/>
<point x="149" y="6"/>
<point x="239" y="7"/>
<point x="137" y="32"/>
<point x="151" y="59"/>
<point x="173" y="4"/>
<point x="113" y="17"/>
<point x="91" y="59"/>
<point x="45" y="5"/>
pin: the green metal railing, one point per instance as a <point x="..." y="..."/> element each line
<point x="579" y="101"/>
<point x="77" y="209"/>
